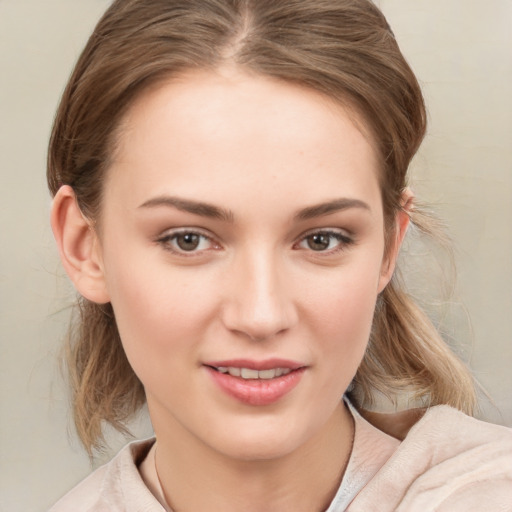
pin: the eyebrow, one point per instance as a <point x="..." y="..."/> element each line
<point x="208" y="210"/>
<point x="329" y="207"/>
<point x="187" y="205"/>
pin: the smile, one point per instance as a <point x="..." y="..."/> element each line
<point x="249" y="373"/>
<point x="256" y="383"/>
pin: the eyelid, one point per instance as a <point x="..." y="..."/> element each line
<point x="165" y="238"/>
<point x="329" y="230"/>
<point x="345" y="239"/>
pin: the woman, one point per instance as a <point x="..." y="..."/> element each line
<point x="230" y="200"/>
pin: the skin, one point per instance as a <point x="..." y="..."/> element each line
<point x="263" y="154"/>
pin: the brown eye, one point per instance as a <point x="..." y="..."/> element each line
<point x="188" y="241"/>
<point x="182" y="242"/>
<point x="319" y="241"/>
<point x="327" y="241"/>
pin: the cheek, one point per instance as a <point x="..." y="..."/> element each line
<point x="352" y="306"/>
<point x="343" y="300"/>
<point x="347" y="322"/>
<point x="159" y="313"/>
<point x="341" y="320"/>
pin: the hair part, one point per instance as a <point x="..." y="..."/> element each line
<point x="342" y="48"/>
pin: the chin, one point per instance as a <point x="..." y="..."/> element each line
<point x="258" y="449"/>
<point x="263" y="439"/>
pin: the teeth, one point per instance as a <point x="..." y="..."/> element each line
<point x="267" y="374"/>
<point x="249" y="373"/>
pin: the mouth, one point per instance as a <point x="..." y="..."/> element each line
<point x="253" y="383"/>
<point x="250" y="373"/>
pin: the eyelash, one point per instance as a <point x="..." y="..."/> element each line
<point x="169" y="239"/>
<point x="344" y="241"/>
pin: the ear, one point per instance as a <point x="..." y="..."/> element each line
<point x="401" y="224"/>
<point x="78" y="246"/>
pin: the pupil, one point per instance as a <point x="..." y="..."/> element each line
<point x="318" y="242"/>
<point x="188" y="241"/>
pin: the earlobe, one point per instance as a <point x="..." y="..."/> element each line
<point x="401" y="225"/>
<point x="78" y="246"/>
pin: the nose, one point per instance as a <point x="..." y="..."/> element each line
<point x="260" y="302"/>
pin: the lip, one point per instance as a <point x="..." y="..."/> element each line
<point x="267" y="364"/>
<point x="256" y="392"/>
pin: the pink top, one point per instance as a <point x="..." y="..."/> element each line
<point x="448" y="462"/>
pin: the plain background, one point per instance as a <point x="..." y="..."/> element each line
<point x="461" y="52"/>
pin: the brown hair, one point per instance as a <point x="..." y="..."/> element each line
<point x="342" y="48"/>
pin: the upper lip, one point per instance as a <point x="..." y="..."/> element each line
<point x="267" y="364"/>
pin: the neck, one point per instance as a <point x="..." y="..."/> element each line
<point x="196" y="478"/>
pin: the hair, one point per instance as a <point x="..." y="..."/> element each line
<point x="343" y="49"/>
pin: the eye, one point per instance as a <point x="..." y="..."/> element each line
<point x="187" y="242"/>
<point x="325" y="241"/>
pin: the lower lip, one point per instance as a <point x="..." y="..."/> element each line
<point x="256" y="391"/>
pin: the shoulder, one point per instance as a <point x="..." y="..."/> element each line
<point x="447" y="462"/>
<point x="116" y="486"/>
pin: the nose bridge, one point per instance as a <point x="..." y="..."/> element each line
<point x="260" y="304"/>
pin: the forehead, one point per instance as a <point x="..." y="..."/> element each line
<point x="208" y="130"/>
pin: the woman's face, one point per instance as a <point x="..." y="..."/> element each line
<point x="242" y="248"/>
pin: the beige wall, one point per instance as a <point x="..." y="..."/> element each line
<point x="461" y="51"/>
